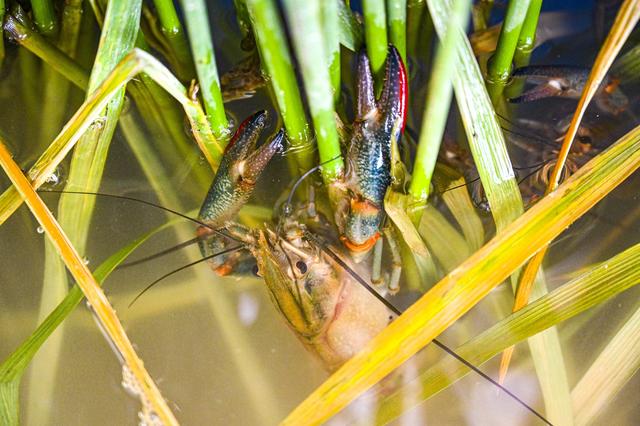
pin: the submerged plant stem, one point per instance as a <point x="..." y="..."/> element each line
<point x="527" y="37"/>
<point x="45" y="17"/>
<point x="331" y="33"/>
<point x="197" y="21"/>
<point x="499" y="66"/>
<point x="375" y="33"/>
<point x="305" y="22"/>
<point x="274" y="53"/>
<point x="437" y="107"/>
<point x="174" y="33"/>
<point x="397" y="18"/>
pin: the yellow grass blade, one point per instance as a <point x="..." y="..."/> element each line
<point x="150" y="396"/>
<point x="625" y="22"/>
<point x="464" y="287"/>
<point x="589" y="290"/>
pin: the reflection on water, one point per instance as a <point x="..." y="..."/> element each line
<point x="218" y="349"/>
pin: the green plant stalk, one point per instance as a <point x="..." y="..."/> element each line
<point x="244" y="23"/>
<point x="397" y="23"/>
<point x="527" y="37"/>
<point x="137" y="61"/>
<point x="173" y="31"/>
<point x="437" y="108"/>
<point x="499" y="66"/>
<point x="305" y="23"/>
<point x="350" y="29"/>
<point x="416" y="10"/>
<point x="45" y="17"/>
<point x="274" y="52"/>
<point x="331" y="31"/>
<point x="584" y="292"/>
<point x="197" y="21"/>
<point x="42" y="48"/>
<point x="627" y="66"/>
<point x="375" y="34"/>
<point x="606" y="377"/>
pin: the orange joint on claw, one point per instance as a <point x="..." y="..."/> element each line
<point x="223" y="270"/>
<point x="358" y="248"/>
<point x="612" y="86"/>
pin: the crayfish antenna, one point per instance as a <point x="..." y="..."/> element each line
<point x="182" y="268"/>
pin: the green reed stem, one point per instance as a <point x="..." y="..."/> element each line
<point x="499" y="66"/>
<point x="527" y="37"/>
<point x="416" y="10"/>
<point x="173" y="31"/>
<point x="437" y="106"/>
<point x="197" y="21"/>
<point x="244" y="23"/>
<point x="15" y="27"/>
<point x="274" y="53"/>
<point x="331" y="31"/>
<point x="375" y="33"/>
<point x="397" y="23"/>
<point x="305" y="23"/>
<point x="44" y="16"/>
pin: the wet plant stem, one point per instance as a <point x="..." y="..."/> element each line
<point x="416" y="22"/>
<point x="331" y="31"/>
<point x="305" y="23"/>
<point x="274" y="52"/>
<point x="499" y="66"/>
<point x="45" y="17"/>
<point x="375" y="33"/>
<point x="173" y="31"/>
<point x="527" y="37"/>
<point x="437" y="108"/>
<point x="197" y="21"/>
<point x="397" y="23"/>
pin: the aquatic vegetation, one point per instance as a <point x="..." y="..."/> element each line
<point x="349" y="202"/>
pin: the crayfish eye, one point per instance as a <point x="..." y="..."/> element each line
<point x="255" y="271"/>
<point x="302" y="267"/>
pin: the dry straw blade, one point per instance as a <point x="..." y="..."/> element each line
<point x="150" y="394"/>
<point x="464" y="287"/>
<point x="625" y="22"/>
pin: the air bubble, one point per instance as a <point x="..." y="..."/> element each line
<point x="40" y="230"/>
<point x="85" y="260"/>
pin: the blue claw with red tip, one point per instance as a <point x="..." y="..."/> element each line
<point x="378" y="124"/>
<point x="568" y="82"/>
<point x="238" y="173"/>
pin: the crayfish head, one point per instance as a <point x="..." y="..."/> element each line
<point x="302" y="283"/>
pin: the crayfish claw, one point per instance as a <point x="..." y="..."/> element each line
<point x="393" y="100"/>
<point x="366" y="101"/>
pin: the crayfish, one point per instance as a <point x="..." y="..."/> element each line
<point x="320" y="300"/>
